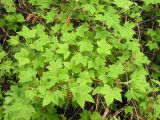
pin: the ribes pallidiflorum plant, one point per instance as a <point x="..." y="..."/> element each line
<point x="79" y="59"/>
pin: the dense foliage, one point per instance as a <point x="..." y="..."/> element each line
<point x="79" y="59"/>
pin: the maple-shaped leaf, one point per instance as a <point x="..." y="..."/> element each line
<point x="43" y="4"/>
<point x="68" y="37"/>
<point x="79" y="58"/>
<point x="14" y="40"/>
<point x="94" y="2"/>
<point x="47" y="98"/>
<point x="135" y="45"/>
<point x="129" y="28"/>
<point x="85" y="77"/>
<point x="81" y="97"/>
<point x="6" y="66"/>
<point x="22" y="56"/>
<point x="89" y="7"/>
<point x="97" y="62"/>
<point x="110" y="18"/>
<point x="115" y="70"/>
<point x="50" y="15"/>
<point x="55" y="65"/>
<point x="85" y="46"/>
<point x="125" y="4"/>
<point x="147" y="2"/>
<point x="63" y="49"/>
<point x="117" y="93"/>
<point x="85" y="115"/>
<point x="20" y="110"/>
<point x="27" y="74"/>
<point x="63" y="75"/>
<point x="140" y="59"/>
<point x="109" y="93"/>
<point x="40" y="43"/>
<point x="157" y="106"/>
<point x="8" y="5"/>
<point x="81" y="30"/>
<point x="131" y="94"/>
<point x="31" y="94"/>
<point x="95" y="116"/>
<point x="48" y="55"/>
<point x="40" y="29"/>
<point x="2" y="54"/>
<point x="52" y="97"/>
<point x="27" y="33"/>
<point x="152" y="45"/>
<point x="103" y="47"/>
<point x="38" y="62"/>
<point x="138" y="85"/>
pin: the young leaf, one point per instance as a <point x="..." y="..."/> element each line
<point x="14" y="40"/>
<point x="27" y="33"/>
<point x="85" y="46"/>
<point x="103" y="47"/>
<point x="125" y="4"/>
<point x="20" y="110"/>
<point x="22" y="57"/>
<point x="50" y="15"/>
<point x="109" y="93"/>
<point x="115" y="70"/>
<point x="27" y="74"/>
<point x="82" y="97"/>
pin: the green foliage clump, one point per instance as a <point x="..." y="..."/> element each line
<point x="79" y="59"/>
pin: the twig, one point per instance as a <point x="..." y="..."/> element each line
<point x="7" y="35"/>
<point x="97" y="103"/>
<point x="135" y="108"/>
<point x="120" y="110"/>
<point x="105" y="113"/>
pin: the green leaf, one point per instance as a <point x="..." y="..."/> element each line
<point x="152" y="45"/>
<point x="103" y="47"/>
<point x="47" y="98"/>
<point x="109" y="93"/>
<point x="22" y="57"/>
<point x="8" y="5"/>
<point x="80" y="31"/>
<point x="81" y="94"/>
<point x="63" y="49"/>
<point x="14" y="40"/>
<point x="2" y="54"/>
<point x="27" y="33"/>
<point x="27" y="75"/>
<point x="140" y="58"/>
<point x="68" y="37"/>
<point x="53" y="97"/>
<point x="55" y="65"/>
<point x="50" y="15"/>
<point x="89" y="7"/>
<point x="128" y="109"/>
<point x="20" y="18"/>
<point x="85" y="77"/>
<point x="95" y="116"/>
<point x="85" y="115"/>
<point x="79" y="58"/>
<point x="147" y="2"/>
<point x="115" y="70"/>
<point x="125" y="4"/>
<point x="40" y="43"/>
<point x="110" y="18"/>
<point x="85" y="46"/>
<point x="129" y="28"/>
<point x="20" y="110"/>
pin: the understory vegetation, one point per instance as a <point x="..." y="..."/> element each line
<point x="79" y="59"/>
